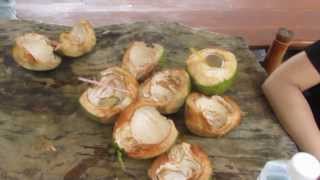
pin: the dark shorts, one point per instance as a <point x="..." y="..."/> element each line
<point x="313" y="97"/>
<point x="313" y="94"/>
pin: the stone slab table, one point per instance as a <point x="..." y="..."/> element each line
<point x="44" y="134"/>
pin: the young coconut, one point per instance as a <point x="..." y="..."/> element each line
<point x="168" y="89"/>
<point x="142" y="132"/>
<point x="212" y="70"/>
<point x="116" y="90"/>
<point x="183" y="162"/>
<point x="79" y="41"/>
<point x="211" y="116"/>
<point x="35" y="52"/>
<point x="140" y="59"/>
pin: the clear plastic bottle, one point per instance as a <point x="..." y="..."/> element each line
<point x="302" y="166"/>
<point x="7" y="9"/>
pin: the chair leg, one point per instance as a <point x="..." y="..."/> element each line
<point x="278" y="49"/>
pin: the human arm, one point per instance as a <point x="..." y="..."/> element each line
<point x="284" y="91"/>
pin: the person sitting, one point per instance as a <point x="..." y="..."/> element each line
<point x="293" y="91"/>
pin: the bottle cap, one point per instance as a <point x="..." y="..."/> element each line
<point x="304" y="166"/>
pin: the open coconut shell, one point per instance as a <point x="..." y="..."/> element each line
<point x="212" y="70"/>
<point x="142" y="132"/>
<point x="124" y="92"/>
<point x="168" y="89"/>
<point x="214" y="121"/>
<point x="35" y="52"/>
<point x="140" y="59"/>
<point x="168" y="165"/>
<point x="79" y="41"/>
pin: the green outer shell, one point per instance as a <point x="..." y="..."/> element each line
<point x="180" y="102"/>
<point x="162" y="60"/>
<point x="210" y="90"/>
<point x="95" y="118"/>
<point x="90" y="115"/>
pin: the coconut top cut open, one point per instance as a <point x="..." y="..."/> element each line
<point x="140" y="58"/>
<point x="35" y="52"/>
<point x="167" y="88"/>
<point x="184" y="162"/>
<point x="212" y="70"/>
<point x="211" y="116"/>
<point x="111" y="94"/>
<point x="79" y="41"/>
<point x="142" y="132"/>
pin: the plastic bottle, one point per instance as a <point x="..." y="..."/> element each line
<point x="7" y="9"/>
<point x="302" y="166"/>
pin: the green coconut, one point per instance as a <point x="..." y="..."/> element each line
<point x="141" y="59"/>
<point x="106" y="98"/>
<point x="212" y="70"/>
<point x="168" y="89"/>
<point x="79" y="41"/>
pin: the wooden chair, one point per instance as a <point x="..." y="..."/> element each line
<point x="278" y="49"/>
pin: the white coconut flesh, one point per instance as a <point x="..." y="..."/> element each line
<point x="214" y="109"/>
<point x="172" y="174"/>
<point x="38" y="46"/>
<point x="147" y="126"/>
<point x="163" y="86"/>
<point x="212" y="66"/>
<point x="110" y="91"/>
<point x="124" y="139"/>
<point x="181" y="165"/>
<point x="142" y="56"/>
<point x="78" y="33"/>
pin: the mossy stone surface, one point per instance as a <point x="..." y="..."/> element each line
<point x="45" y="135"/>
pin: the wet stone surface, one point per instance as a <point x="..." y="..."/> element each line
<point x="44" y="134"/>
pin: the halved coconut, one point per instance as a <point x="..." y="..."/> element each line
<point x="142" y="132"/>
<point x="168" y="89"/>
<point x="212" y="70"/>
<point x="79" y="41"/>
<point x="140" y="59"/>
<point x="116" y="90"/>
<point x="211" y="116"/>
<point x="35" y="52"/>
<point x="183" y="162"/>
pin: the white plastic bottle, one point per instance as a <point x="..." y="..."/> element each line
<point x="302" y="166"/>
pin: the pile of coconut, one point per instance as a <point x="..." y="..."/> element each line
<point x="136" y="96"/>
<point x="37" y="52"/>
